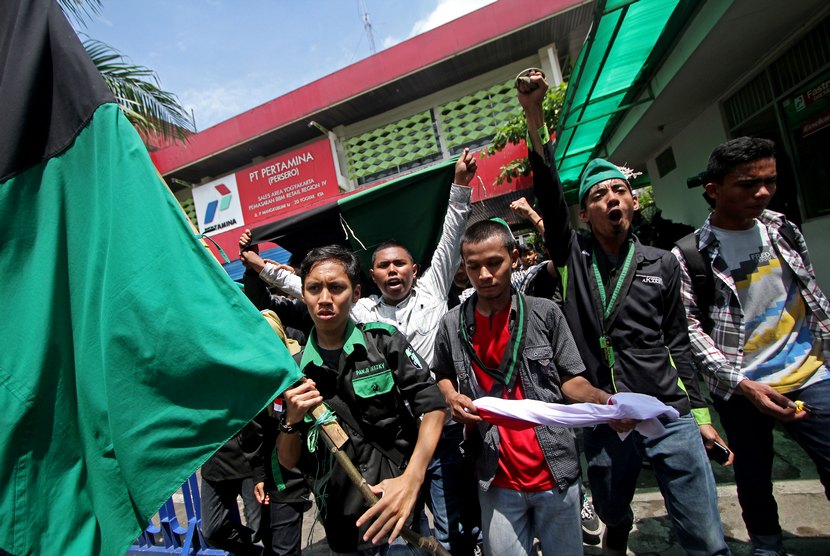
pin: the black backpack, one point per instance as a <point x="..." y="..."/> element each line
<point x="700" y="272"/>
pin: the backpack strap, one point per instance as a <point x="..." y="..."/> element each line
<point x="700" y="272"/>
<point x="389" y="329"/>
<point x="787" y="231"/>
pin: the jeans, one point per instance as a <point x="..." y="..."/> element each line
<point x="749" y="433"/>
<point x="452" y="496"/>
<point x="219" y="504"/>
<point x="683" y="473"/>
<point x="510" y="519"/>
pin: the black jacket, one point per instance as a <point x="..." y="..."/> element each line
<point x="227" y="463"/>
<point x="258" y="442"/>
<point x="648" y="330"/>
<point x="385" y="386"/>
<point x="292" y="312"/>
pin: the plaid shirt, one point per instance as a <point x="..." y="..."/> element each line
<point x="719" y="354"/>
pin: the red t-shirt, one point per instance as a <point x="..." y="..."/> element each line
<point x="522" y="464"/>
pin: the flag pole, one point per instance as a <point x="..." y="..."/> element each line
<point x="335" y="437"/>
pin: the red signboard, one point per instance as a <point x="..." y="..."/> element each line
<point x="815" y="124"/>
<point x="278" y="187"/>
<point x="272" y="188"/>
<point x="305" y="177"/>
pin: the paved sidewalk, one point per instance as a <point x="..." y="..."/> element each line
<point x="804" y="511"/>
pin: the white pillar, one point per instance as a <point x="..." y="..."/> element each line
<point x="550" y="64"/>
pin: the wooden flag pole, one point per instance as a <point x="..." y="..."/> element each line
<point x="335" y="437"/>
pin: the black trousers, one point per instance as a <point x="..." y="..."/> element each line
<point x="221" y="526"/>
<point x="286" y="527"/>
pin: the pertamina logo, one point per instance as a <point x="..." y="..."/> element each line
<point x="224" y="201"/>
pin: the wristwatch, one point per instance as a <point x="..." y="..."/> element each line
<point x="284" y="428"/>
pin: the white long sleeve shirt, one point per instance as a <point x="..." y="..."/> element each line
<point x="418" y="315"/>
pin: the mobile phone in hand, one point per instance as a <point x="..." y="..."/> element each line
<point x="718" y="453"/>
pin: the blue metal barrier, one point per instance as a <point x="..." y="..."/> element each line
<point x="172" y="537"/>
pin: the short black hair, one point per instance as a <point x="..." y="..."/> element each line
<point x="526" y="248"/>
<point x="484" y="230"/>
<point x="727" y="156"/>
<point x="336" y="253"/>
<point x="391" y="243"/>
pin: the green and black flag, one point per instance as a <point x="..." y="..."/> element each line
<point x="127" y="355"/>
<point x="409" y="209"/>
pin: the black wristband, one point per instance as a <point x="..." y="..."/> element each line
<point x="284" y="428"/>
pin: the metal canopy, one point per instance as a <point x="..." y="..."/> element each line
<point x="628" y="40"/>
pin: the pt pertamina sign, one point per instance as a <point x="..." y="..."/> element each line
<point x="265" y="192"/>
<point x="283" y="184"/>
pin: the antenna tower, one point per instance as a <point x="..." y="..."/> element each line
<point x="367" y="26"/>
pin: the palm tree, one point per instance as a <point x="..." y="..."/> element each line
<point x="153" y="111"/>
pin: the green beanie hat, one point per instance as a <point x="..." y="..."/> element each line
<point x="598" y="170"/>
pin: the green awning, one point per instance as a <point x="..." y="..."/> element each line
<point x="628" y="39"/>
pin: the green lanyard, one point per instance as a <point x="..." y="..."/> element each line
<point x="608" y="304"/>
<point x="506" y="371"/>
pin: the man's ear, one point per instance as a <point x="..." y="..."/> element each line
<point x="415" y="270"/>
<point x="356" y="293"/>
<point x="514" y="258"/>
<point x="583" y="216"/>
<point x="372" y="275"/>
<point x="636" y="204"/>
<point x="711" y="190"/>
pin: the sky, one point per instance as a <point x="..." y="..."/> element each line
<point x="222" y="57"/>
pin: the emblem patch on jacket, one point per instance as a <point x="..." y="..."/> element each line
<point x="413" y="357"/>
<point x="655" y="280"/>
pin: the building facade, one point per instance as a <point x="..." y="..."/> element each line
<point x="656" y="85"/>
<point x="724" y="69"/>
<point x="414" y="104"/>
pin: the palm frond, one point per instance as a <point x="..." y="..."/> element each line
<point x="152" y="110"/>
<point x="80" y="10"/>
